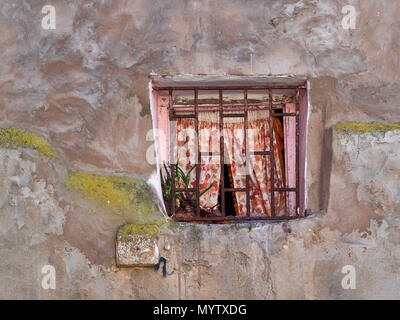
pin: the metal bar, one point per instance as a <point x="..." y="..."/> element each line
<point x="184" y="116"/>
<point x="246" y="148"/>
<point x="172" y="156"/>
<point x="286" y="189"/>
<point x="209" y="153"/>
<point x="271" y="150"/>
<point x="259" y="153"/>
<point x="221" y="109"/>
<point x="215" y="109"/>
<point x="297" y="155"/>
<point x="185" y="189"/>
<point x="233" y="115"/>
<point x="179" y="111"/>
<point x="229" y="105"/>
<point x="221" y="150"/>
<point x="234" y="218"/>
<point x="285" y="198"/>
<point x="196" y="112"/>
<point x="228" y="87"/>
<point x="286" y="114"/>
<point x="235" y="189"/>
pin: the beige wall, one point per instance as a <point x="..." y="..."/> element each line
<point x="84" y="87"/>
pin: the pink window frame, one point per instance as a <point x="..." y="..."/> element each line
<point x="161" y="127"/>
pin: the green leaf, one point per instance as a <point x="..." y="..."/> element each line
<point x="162" y="178"/>
<point x="168" y="174"/>
<point x="205" y="190"/>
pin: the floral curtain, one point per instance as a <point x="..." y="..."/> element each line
<point x="259" y="168"/>
<point x="185" y="153"/>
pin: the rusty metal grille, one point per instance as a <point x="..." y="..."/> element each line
<point x="195" y="115"/>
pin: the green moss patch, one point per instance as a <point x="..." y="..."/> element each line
<point x="13" y="138"/>
<point x="139" y="229"/>
<point x="123" y="195"/>
<point x="358" y="127"/>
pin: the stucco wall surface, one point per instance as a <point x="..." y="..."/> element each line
<point x="43" y="223"/>
<point x="83" y="88"/>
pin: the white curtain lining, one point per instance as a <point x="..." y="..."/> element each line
<point x="213" y="116"/>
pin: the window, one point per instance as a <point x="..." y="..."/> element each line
<point x="217" y="160"/>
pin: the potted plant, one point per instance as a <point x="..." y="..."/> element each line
<point x="185" y="201"/>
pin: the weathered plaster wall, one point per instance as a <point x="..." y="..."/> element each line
<point x="83" y="87"/>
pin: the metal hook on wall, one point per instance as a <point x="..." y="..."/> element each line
<point x="162" y="259"/>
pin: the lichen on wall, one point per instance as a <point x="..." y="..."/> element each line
<point x="14" y="138"/>
<point x="122" y="195"/>
<point x="139" y="229"/>
<point x="358" y="127"/>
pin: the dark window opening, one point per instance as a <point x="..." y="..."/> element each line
<point x="230" y="199"/>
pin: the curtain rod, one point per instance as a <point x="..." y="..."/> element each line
<point x="216" y="110"/>
<point x="229" y="87"/>
<point x="226" y="105"/>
